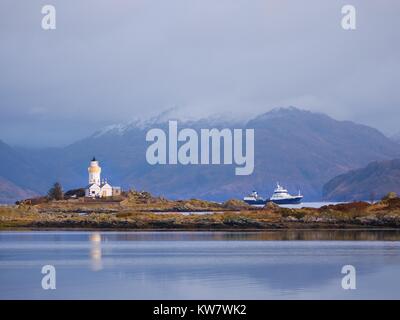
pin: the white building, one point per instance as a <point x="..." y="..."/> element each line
<point x="98" y="188"/>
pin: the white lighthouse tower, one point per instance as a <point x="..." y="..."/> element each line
<point x="96" y="187"/>
<point x="94" y="172"/>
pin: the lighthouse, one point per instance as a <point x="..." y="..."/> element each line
<point x="94" y="172"/>
<point x="98" y="188"/>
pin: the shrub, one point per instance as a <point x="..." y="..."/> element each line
<point x="56" y="192"/>
<point x="79" y="193"/>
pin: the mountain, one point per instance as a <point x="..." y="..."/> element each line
<point x="18" y="178"/>
<point x="300" y="149"/>
<point x="373" y="181"/>
<point x="9" y="192"/>
<point x="396" y="137"/>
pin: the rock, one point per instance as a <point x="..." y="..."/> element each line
<point x="370" y="219"/>
<point x="393" y="204"/>
<point x="271" y="206"/>
<point x="390" y="195"/>
<point x="346" y="207"/>
<point x="234" y="204"/>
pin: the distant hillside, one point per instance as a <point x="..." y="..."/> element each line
<point x="19" y="178"/>
<point x="396" y="137"/>
<point x="375" y="180"/>
<point x="300" y="149"/>
<point x="9" y="192"/>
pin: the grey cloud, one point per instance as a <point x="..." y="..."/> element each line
<point x="109" y="61"/>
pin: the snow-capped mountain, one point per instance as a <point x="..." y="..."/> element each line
<point x="300" y="149"/>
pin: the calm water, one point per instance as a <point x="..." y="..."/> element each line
<point x="200" y="265"/>
<point x="305" y="205"/>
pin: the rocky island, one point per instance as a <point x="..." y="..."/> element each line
<point x="141" y="211"/>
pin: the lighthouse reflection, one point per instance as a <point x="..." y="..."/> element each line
<point x="95" y="251"/>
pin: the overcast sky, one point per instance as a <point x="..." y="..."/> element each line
<point x="111" y="61"/>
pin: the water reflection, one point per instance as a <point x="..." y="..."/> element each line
<point x="270" y="235"/>
<point x="95" y="251"/>
<point x="200" y="265"/>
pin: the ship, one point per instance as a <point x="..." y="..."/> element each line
<point x="254" y="199"/>
<point x="280" y="196"/>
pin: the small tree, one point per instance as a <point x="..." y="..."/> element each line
<point x="56" y="192"/>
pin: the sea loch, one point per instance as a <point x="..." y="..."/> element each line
<point x="200" y="265"/>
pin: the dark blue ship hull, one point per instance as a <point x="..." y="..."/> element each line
<point x="294" y="200"/>
<point x="256" y="202"/>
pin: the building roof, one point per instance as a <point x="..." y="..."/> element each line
<point x="92" y="185"/>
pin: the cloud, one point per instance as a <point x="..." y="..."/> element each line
<point x="109" y="61"/>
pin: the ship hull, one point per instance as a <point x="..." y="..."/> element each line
<point x="255" y="202"/>
<point x="294" y="200"/>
